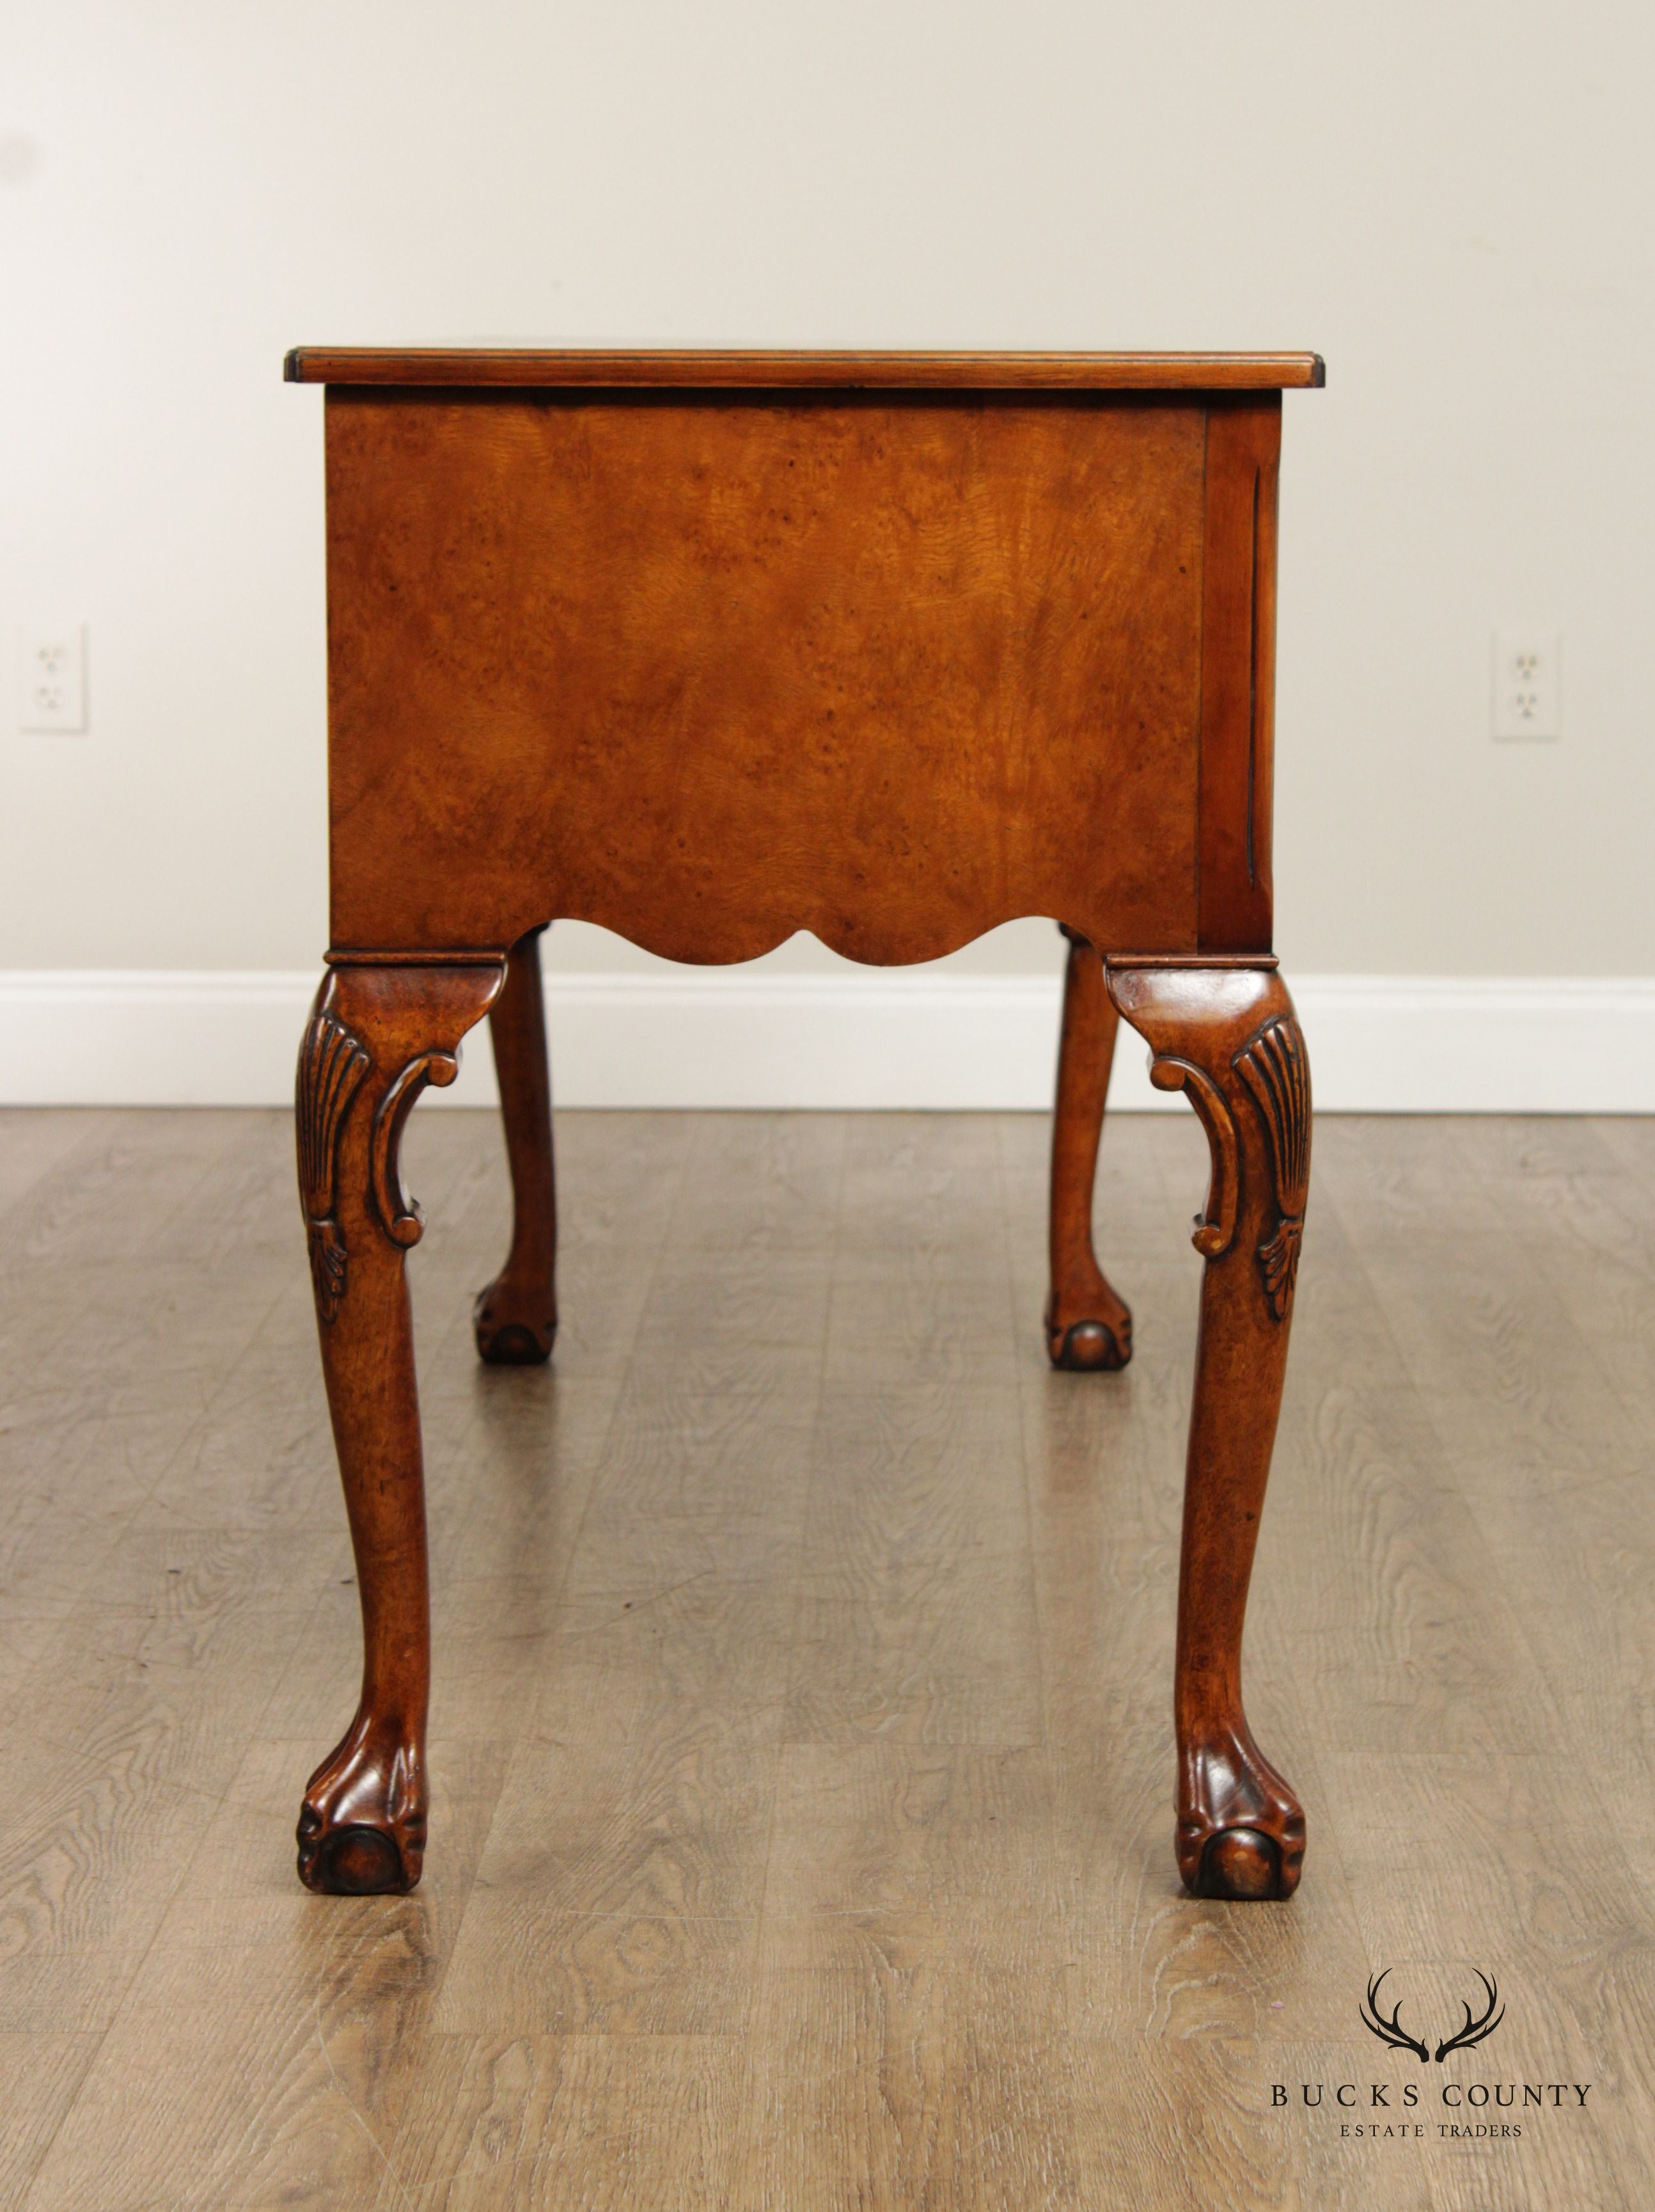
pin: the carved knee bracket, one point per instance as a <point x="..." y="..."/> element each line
<point x="1229" y="1039"/>
<point x="363" y="1032"/>
<point x="399" y="1217"/>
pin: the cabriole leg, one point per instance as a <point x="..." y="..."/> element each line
<point x="515" y="1317"/>
<point x="376" y="1036"/>
<point x="1228" y="1037"/>
<point x="1087" y="1325"/>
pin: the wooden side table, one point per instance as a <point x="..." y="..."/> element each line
<point x="713" y="648"/>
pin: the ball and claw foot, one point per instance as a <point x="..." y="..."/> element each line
<point x="513" y="1328"/>
<point x="1100" y="1344"/>
<point x="362" y="1827"/>
<point x="1240" y="1829"/>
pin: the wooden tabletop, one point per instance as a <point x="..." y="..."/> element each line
<point x="914" y="372"/>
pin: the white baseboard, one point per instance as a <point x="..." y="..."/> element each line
<point x="900" y="1038"/>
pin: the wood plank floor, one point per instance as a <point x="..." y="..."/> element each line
<point x="802" y="1739"/>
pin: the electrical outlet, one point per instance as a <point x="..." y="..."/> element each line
<point x="1528" y="697"/>
<point x="52" y="678"/>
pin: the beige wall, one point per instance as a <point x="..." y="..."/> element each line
<point x="1452" y="202"/>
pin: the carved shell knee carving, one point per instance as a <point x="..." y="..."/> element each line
<point x="1275" y="1069"/>
<point x="333" y="1063"/>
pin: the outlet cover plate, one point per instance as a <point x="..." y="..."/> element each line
<point x="52" y="676"/>
<point x="1528" y="683"/>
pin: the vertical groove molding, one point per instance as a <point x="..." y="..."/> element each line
<point x="1238" y="673"/>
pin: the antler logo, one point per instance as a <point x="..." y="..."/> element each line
<point x="1392" y="2031"/>
<point x="1474" y="2030"/>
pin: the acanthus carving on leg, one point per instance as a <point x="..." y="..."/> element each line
<point x="378" y="1036"/>
<point x="331" y="1066"/>
<point x="1276" y="1072"/>
<point x="1089" y="1327"/>
<point x="1228" y="1037"/>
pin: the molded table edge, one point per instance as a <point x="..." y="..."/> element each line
<point x="525" y="368"/>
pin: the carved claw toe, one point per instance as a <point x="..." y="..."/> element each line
<point x="1240" y="1829"/>
<point x="1090" y="1346"/>
<point x="514" y="1329"/>
<point x="362" y="1827"/>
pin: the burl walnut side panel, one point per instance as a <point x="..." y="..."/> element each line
<point x="708" y="670"/>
